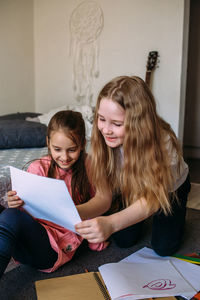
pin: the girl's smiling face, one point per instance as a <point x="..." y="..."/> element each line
<point x="111" y="118"/>
<point x="63" y="150"/>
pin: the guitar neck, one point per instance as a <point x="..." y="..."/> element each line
<point x="148" y="78"/>
<point x="151" y="64"/>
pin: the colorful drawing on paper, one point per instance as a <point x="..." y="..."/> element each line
<point x="160" y="284"/>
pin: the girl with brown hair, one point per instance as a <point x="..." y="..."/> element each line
<point x="40" y="243"/>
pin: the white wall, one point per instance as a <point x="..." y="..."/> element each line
<point x="16" y="56"/>
<point x="132" y="28"/>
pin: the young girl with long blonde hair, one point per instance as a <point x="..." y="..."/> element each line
<point x="137" y="158"/>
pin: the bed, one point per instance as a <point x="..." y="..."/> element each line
<point x="20" y="142"/>
<point x="23" y="139"/>
<point x="17" y="158"/>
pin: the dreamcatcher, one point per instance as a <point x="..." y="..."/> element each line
<point x="86" y="24"/>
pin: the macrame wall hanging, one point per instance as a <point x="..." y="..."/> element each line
<point x="86" y="24"/>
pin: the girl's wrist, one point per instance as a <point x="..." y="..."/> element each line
<point x="113" y="222"/>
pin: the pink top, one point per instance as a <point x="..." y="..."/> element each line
<point x="63" y="241"/>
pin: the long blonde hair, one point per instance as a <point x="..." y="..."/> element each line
<point x="145" y="170"/>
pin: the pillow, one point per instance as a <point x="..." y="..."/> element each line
<point x="86" y="110"/>
<point x="45" y="118"/>
<point x="19" y="133"/>
<point x="20" y="116"/>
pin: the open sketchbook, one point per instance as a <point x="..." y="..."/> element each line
<point x="45" y="198"/>
<point x="144" y="280"/>
<point x="126" y="281"/>
<point x="85" y="286"/>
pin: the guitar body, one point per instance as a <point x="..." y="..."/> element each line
<point x="151" y="65"/>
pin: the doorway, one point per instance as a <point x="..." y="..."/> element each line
<point x="191" y="140"/>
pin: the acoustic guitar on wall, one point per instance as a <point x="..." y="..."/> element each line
<point x="151" y="65"/>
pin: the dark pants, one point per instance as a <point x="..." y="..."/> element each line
<point x="24" y="239"/>
<point x="167" y="231"/>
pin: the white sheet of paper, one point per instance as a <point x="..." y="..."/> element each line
<point x="143" y="280"/>
<point x="45" y="198"/>
<point x="189" y="271"/>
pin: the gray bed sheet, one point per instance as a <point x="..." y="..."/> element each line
<point x="17" y="158"/>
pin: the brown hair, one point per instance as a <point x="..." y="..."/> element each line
<point x="73" y="125"/>
<point x="145" y="171"/>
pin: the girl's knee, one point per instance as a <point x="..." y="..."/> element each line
<point x="125" y="244"/>
<point x="123" y="240"/>
<point x="11" y="217"/>
<point x="164" y="249"/>
<point x="129" y="236"/>
<point x="10" y="212"/>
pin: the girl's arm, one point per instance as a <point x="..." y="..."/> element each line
<point x="96" y="206"/>
<point x="99" y="229"/>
